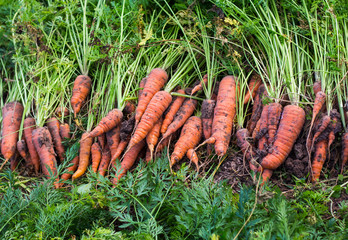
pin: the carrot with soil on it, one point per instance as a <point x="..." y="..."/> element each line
<point x="257" y="108"/>
<point x="111" y="120"/>
<point x="14" y="161"/>
<point x="141" y="87"/>
<point x="266" y="175"/>
<point x="64" y="131"/>
<point x="207" y="110"/>
<point x="84" y="154"/>
<point x="23" y="152"/>
<point x="102" y="140"/>
<point x="335" y="126"/>
<point x="152" y="137"/>
<point x="324" y="124"/>
<point x="261" y="136"/>
<point x="96" y="153"/>
<point x="290" y="126"/>
<point x="105" y="161"/>
<point x="192" y="155"/>
<point x="243" y="143"/>
<point x="29" y="126"/>
<point x="113" y="139"/>
<point x="316" y="87"/>
<point x="60" y="111"/>
<point x="81" y="89"/>
<point x="274" y="113"/>
<point x="254" y="84"/>
<point x="53" y="126"/>
<point x="70" y="170"/>
<point x="129" y="108"/>
<point x="319" y="159"/>
<point x="128" y="161"/>
<point x="199" y="86"/>
<point x="11" y="120"/>
<point x="172" y="110"/>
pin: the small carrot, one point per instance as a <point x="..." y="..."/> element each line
<point x="113" y="139"/>
<point x="28" y="127"/>
<point x="261" y="137"/>
<point x="158" y="104"/>
<point x="128" y="160"/>
<point x="53" y="126"/>
<point x="324" y="124"/>
<point x="274" y="113"/>
<point x="172" y="110"/>
<point x="85" y="150"/>
<point x="266" y="175"/>
<point x="319" y="159"/>
<point x="12" y="116"/>
<point x="344" y="150"/>
<point x="152" y="137"/>
<point x="70" y="170"/>
<point x="257" y="108"/>
<point x="148" y="156"/>
<point x="23" y="151"/>
<point x="102" y="140"/>
<point x="105" y="160"/>
<point x="154" y="82"/>
<point x="208" y="106"/>
<point x="290" y="126"/>
<point x="335" y="126"/>
<point x="112" y="119"/>
<point x="129" y="108"/>
<point x="96" y="153"/>
<point x="317" y="87"/>
<point x="243" y="144"/>
<point x="192" y="155"/>
<point x="254" y="85"/>
<point x="199" y="86"/>
<point x="81" y="89"/>
<point x="64" y="131"/>
<point x="14" y="161"/>
<point x="185" y="111"/>
<point x="190" y="136"/>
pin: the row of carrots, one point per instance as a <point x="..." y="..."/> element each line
<point x="266" y="141"/>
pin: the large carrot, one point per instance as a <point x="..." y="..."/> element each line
<point x="290" y="126"/>
<point x="23" y="151"/>
<point x="43" y="144"/>
<point x="152" y="137"/>
<point x="12" y="116"/>
<point x="81" y="89"/>
<point x="172" y="110"/>
<point x="53" y="126"/>
<point x="319" y="159"/>
<point x="344" y="150"/>
<point x="254" y="85"/>
<point x="224" y="113"/>
<point x="199" y="86"/>
<point x="85" y="151"/>
<point x="28" y="127"/>
<point x="112" y="119"/>
<point x="257" y="108"/>
<point x="128" y="160"/>
<point x="274" y="112"/>
<point x="154" y="82"/>
<point x="96" y="156"/>
<point x="64" y="131"/>
<point x="105" y="160"/>
<point x="113" y="139"/>
<point x="190" y="136"/>
<point x="185" y="111"/>
<point x="158" y="104"/>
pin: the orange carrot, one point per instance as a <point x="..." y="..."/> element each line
<point x="208" y="106"/>
<point x="141" y="87"/>
<point x="335" y="126"/>
<point x="257" y="108"/>
<point x="102" y="140"/>
<point x="85" y="150"/>
<point x="105" y="160"/>
<point x="53" y="126"/>
<point x="12" y="116"/>
<point x="128" y="160"/>
<point x="199" y="86"/>
<point x="148" y="156"/>
<point x="324" y="123"/>
<point x="154" y="82"/>
<point x="224" y="113"/>
<point x="96" y="156"/>
<point x="266" y="175"/>
<point x="256" y="130"/>
<point x="158" y="104"/>
<point x="113" y="139"/>
<point x="254" y="85"/>
<point x="190" y="136"/>
<point x="112" y="119"/>
<point x="28" y="126"/>
<point x="274" y="112"/>
<point x="14" y="161"/>
<point x="317" y="87"/>
<point x="70" y="170"/>
<point x="23" y="151"/>
<point x="290" y="126"/>
<point x="152" y="137"/>
<point x="192" y="155"/>
<point x="243" y="144"/>
<point x="319" y="159"/>
<point x="344" y="150"/>
<point x="43" y="144"/>
<point x="129" y="108"/>
<point x="185" y="111"/>
<point x="172" y="110"/>
<point x="81" y="89"/>
<point x="64" y="131"/>
<point x="261" y="137"/>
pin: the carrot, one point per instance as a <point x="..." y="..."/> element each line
<point x="148" y="156"/>
<point x="70" y="170"/>
<point x="53" y="126"/>
<point x="190" y="136"/>
<point x="185" y="111"/>
<point x="290" y="126"/>
<point x="162" y="144"/>
<point x="105" y="160"/>
<point x="274" y="112"/>
<point x="43" y="144"/>
<point x="254" y="85"/>
<point x="335" y="126"/>
<point x="344" y="150"/>
<point x="112" y="119"/>
<point x="113" y="139"/>
<point x="256" y="130"/>
<point x="266" y="175"/>
<point x="243" y="144"/>
<point x="172" y="110"/>
<point x="14" y="161"/>
<point x="128" y="160"/>
<point x="85" y="150"/>
<point x="28" y="126"/>
<point x="199" y="86"/>
<point x="102" y="140"/>
<point x="81" y="89"/>
<point x="319" y="159"/>
<point x="261" y="136"/>
<point x="12" y="116"/>
<point x="317" y="87"/>
<point x="158" y="104"/>
<point x="64" y="131"/>
<point x="224" y="113"/>
<point x="23" y="151"/>
<point x="60" y="111"/>
<point x="192" y="155"/>
<point x="96" y="156"/>
<point x="324" y="123"/>
<point x="208" y="106"/>
<point x="141" y="87"/>
<point x="257" y="108"/>
<point x="154" y="82"/>
<point x="152" y="137"/>
<point x="129" y="108"/>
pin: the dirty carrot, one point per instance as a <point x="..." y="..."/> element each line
<point x="152" y="137"/>
<point x="105" y="160"/>
<point x="60" y="111"/>
<point x="317" y="87"/>
<point x="64" y="131"/>
<point x="113" y="139"/>
<point x="85" y="150"/>
<point x="261" y="136"/>
<point x="243" y="144"/>
<point x="324" y="124"/>
<point x="111" y="120"/>
<point x="319" y="159"/>
<point x="53" y="126"/>
<point x="96" y="154"/>
<point x="14" y="161"/>
<point x="71" y="169"/>
<point x="102" y="140"/>
<point x="256" y="130"/>
<point x="344" y="150"/>
<point x="274" y="113"/>
<point x="254" y="85"/>
<point x="81" y="89"/>
<point x="257" y="108"/>
<point x="199" y="86"/>
<point x="335" y="126"/>
<point x="192" y="155"/>
<point x="266" y="175"/>
<point x="28" y="127"/>
<point x="208" y="106"/>
<point x="23" y="151"/>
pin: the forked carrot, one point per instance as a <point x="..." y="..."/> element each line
<point x="81" y="89"/>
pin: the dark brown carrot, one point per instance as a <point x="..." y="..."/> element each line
<point x="64" y="131"/>
<point x="344" y="151"/>
<point x="261" y="137"/>
<point x="274" y="113"/>
<point x="257" y="108"/>
<point x="81" y="89"/>
<point x="319" y="159"/>
<point x="96" y="153"/>
<point x="14" y="161"/>
<point x="53" y="126"/>
<point x="28" y="126"/>
<point x="23" y="152"/>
